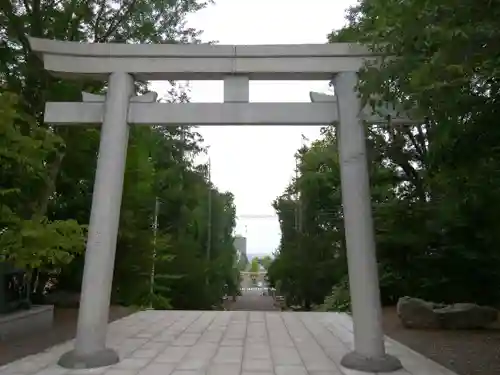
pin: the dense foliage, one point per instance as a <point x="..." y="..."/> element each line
<point x="265" y="261"/>
<point x="435" y="186"/>
<point x="254" y="265"/>
<point x="46" y="173"/>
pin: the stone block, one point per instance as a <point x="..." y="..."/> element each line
<point x="25" y="322"/>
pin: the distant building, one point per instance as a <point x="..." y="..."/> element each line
<point x="240" y="244"/>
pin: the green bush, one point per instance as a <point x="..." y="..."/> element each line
<point x="339" y="300"/>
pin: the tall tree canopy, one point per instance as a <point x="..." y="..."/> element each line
<point x="47" y="173"/>
<point x="435" y="186"/>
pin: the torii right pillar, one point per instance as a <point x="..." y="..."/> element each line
<point x="369" y="349"/>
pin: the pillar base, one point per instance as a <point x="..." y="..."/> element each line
<point x="386" y="363"/>
<point x="101" y="358"/>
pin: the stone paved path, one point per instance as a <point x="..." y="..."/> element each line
<point x="253" y="300"/>
<point x="226" y="343"/>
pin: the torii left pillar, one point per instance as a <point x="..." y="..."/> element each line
<point x="90" y="346"/>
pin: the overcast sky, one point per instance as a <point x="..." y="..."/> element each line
<point x="256" y="163"/>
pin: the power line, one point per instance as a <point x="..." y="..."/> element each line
<point x="332" y="213"/>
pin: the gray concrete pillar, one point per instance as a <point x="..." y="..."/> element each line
<point x="369" y="350"/>
<point x="90" y="345"/>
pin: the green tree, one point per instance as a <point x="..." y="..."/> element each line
<point x="254" y="265"/>
<point x="265" y="261"/>
<point x="435" y="185"/>
<point x="166" y="267"/>
<point x="28" y="240"/>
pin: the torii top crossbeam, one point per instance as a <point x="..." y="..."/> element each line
<point x="200" y="61"/>
<point x="235" y="64"/>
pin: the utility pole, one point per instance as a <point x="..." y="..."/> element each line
<point x="209" y="213"/>
<point x="155" y="231"/>
<point x="297" y="198"/>
<point x="183" y="141"/>
<point x="301" y="208"/>
<point x="209" y="223"/>
<point x="298" y="206"/>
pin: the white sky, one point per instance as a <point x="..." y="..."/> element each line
<point x="256" y="163"/>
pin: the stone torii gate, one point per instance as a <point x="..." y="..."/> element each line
<point x="120" y="64"/>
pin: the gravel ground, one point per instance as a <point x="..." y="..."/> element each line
<point x="464" y="352"/>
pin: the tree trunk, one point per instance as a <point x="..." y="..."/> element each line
<point x="50" y="186"/>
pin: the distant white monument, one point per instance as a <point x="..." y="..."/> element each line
<point x="240" y="244"/>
